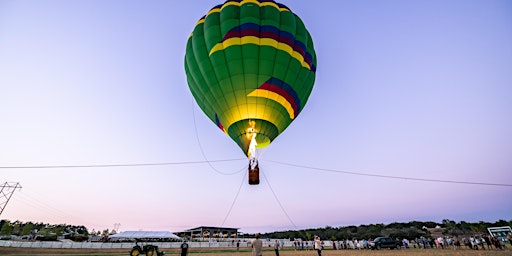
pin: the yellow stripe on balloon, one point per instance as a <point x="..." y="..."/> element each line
<point x="276" y="97"/>
<point x="239" y="4"/>
<point x="261" y="42"/>
<point x="199" y="22"/>
<point x="214" y="10"/>
<point x="281" y="9"/>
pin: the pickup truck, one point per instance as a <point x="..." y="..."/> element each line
<point x="385" y="242"/>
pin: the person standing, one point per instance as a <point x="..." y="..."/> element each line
<point x="184" y="248"/>
<point x="257" y="246"/>
<point x="276" y="247"/>
<point x="318" y="245"/>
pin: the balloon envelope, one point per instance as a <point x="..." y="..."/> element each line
<point x="251" y="66"/>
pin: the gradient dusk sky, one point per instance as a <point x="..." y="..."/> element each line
<point x="406" y="93"/>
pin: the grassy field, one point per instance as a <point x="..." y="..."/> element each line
<point x="231" y="252"/>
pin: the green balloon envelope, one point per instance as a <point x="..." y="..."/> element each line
<point x="251" y="66"/>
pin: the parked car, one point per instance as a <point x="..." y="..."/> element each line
<point x="385" y="242"/>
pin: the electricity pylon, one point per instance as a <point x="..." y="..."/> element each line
<point x="6" y="191"/>
<point x="116" y="227"/>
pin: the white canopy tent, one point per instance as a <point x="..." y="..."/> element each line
<point x="144" y="235"/>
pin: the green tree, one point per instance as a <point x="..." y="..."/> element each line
<point x="6" y="228"/>
<point x="501" y="223"/>
<point x="58" y="229"/>
<point x="308" y="236"/>
<point x="27" y="229"/>
<point x="16" y="228"/>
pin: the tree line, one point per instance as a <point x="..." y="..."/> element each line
<point x="410" y="230"/>
<point x="45" y="231"/>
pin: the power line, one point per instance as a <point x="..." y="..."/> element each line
<point x="394" y="177"/>
<point x="45" y="205"/>
<point x="238" y="159"/>
<point x="41" y="207"/>
<point x="116" y="165"/>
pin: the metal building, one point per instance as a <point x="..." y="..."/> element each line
<point x="206" y="232"/>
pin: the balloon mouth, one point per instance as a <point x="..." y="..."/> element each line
<point x="252" y="134"/>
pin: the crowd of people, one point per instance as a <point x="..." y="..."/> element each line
<point x="482" y="242"/>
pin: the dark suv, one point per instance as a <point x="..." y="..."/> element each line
<point x="385" y="242"/>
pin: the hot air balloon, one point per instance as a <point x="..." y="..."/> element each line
<point x="251" y="67"/>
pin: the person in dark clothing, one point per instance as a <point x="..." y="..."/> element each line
<point x="184" y="248"/>
<point x="487" y="241"/>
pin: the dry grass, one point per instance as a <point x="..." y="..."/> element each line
<point x="231" y="252"/>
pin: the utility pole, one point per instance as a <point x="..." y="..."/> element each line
<point x="116" y="227"/>
<point x="6" y="191"/>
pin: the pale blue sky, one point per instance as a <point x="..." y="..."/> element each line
<point x="418" y="89"/>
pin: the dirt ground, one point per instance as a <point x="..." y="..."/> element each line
<point x="230" y="252"/>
